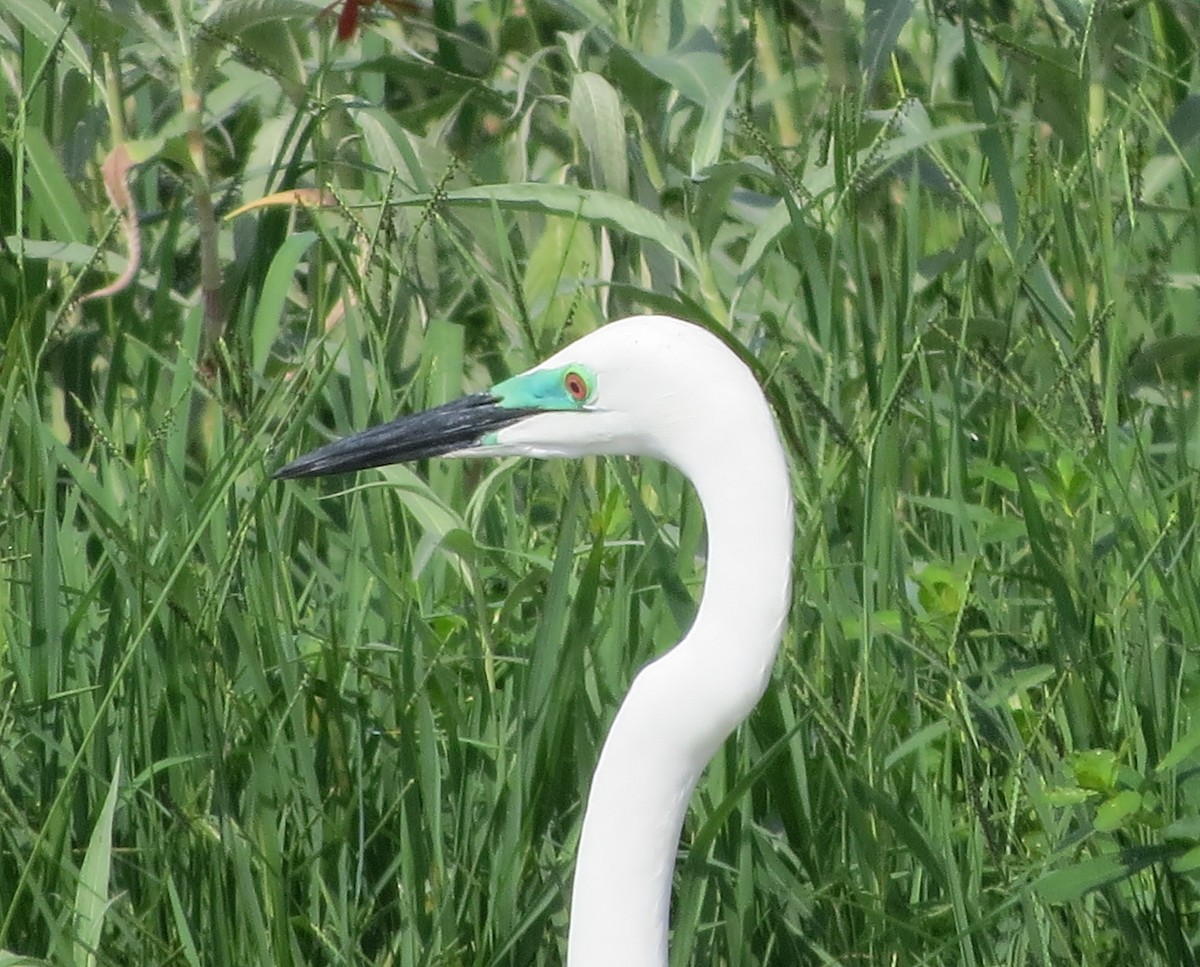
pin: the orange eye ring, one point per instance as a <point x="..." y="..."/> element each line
<point x="575" y="385"/>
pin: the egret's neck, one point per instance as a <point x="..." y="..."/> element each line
<point x="682" y="706"/>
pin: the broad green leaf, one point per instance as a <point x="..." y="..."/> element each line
<point x="79" y="254"/>
<point x="710" y="136"/>
<point x="1184" y="125"/>
<point x="599" y="207"/>
<point x="1113" y="813"/>
<point x="563" y="260"/>
<point x="1068" y="885"/>
<point x="1187" y="828"/>
<point x="91" y="893"/>
<point x="439" y="522"/>
<point x="1095" y="769"/>
<point x="917" y="741"/>
<point x="1045" y="555"/>
<point x="1068" y="796"/>
<point x="1075" y="12"/>
<point x="233" y="17"/>
<point x="1018" y="681"/>
<point x="45" y="23"/>
<point x="909" y="832"/>
<point x="883" y="21"/>
<point x="274" y="296"/>
<point x="1189" y="862"/>
<point x="387" y="147"/>
<point x="423" y="72"/>
<point x="596" y="114"/>
<point x="9" y="959"/>
<point x="1184" y="748"/>
<point x="1173" y="359"/>
<point x="994" y="148"/>
<point x="695" y="69"/>
<point x="54" y="197"/>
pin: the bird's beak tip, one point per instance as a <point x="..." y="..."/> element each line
<point x="452" y="429"/>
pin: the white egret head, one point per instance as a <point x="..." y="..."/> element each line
<point x="645" y="386"/>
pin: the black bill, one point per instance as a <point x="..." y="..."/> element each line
<point x="458" y="425"/>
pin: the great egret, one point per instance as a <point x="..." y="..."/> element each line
<point x="658" y="387"/>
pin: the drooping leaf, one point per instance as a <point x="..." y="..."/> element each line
<point x="44" y="22"/>
<point x="883" y="21"/>
<point x="1068" y="885"/>
<point x="596" y="114"/>
<point x="600" y="207"/>
<point x="1113" y="813"/>
<point x="91" y="892"/>
<point x="696" y="68"/>
<point x="273" y="297"/>
<point x="710" y="136"/>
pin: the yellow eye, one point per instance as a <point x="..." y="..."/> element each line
<point x="575" y="385"/>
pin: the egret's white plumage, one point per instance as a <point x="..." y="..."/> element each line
<point x="663" y="388"/>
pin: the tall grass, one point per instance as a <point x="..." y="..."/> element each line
<point x="352" y="722"/>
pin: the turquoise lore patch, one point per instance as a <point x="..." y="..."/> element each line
<point x="546" y="389"/>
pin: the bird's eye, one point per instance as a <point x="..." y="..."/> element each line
<point x="575" y="385"/>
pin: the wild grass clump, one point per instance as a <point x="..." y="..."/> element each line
<point x="353" y="722"/>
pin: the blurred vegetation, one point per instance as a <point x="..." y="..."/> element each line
<point x="244" y="722"/>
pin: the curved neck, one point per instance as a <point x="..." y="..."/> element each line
<point x="682" y="706"/>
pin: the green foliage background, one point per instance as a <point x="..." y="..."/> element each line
<point x="324" y="723"/>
